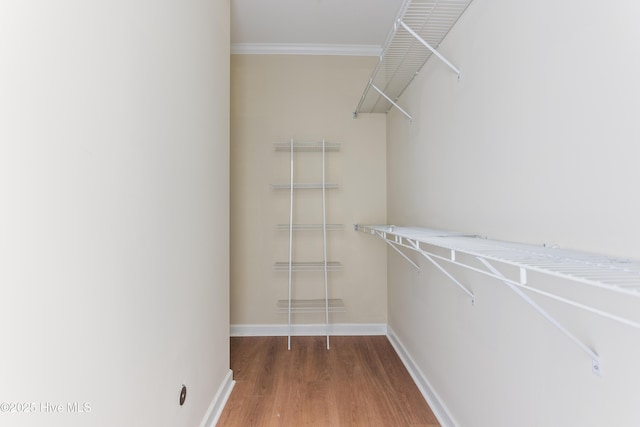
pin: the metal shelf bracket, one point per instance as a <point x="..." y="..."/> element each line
<point x="415" y="246"/>
<point x="431" y="48"/>
<point x="390" y="100"/>
<point x="403" y="255"/>
<point x="595" y="359"/>
<point x="453" y="279"/>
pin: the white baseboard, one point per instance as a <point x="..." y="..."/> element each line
<point x="429" y="394"/>
<point x="219" y="400"/>
<point x="279" y="330"/>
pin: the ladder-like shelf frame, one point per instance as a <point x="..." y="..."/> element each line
<point x="291" y="305"/>
<point x="417" y="32"/>
<point x="616" y="275"/>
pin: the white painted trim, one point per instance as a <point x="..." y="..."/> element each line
<point x="437" y="406"/>
<point x="279" y="330"/>
<point x="304" y="49"/>
<point x="219" y="400"/>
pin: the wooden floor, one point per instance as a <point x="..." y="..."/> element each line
<point x="360" y="381"/>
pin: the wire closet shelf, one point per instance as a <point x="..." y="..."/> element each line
<point x="417" y="32"/>
<point x="620" y="275"/>
<point x="444" y="248"/>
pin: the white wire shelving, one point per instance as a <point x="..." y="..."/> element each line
<point x="311" y="306"/>
<point x="305" y="186"/>
<point x="417" y="32"/>
<point x="307" y="146"/>
<point x="292" y="305"/>
<point x="308" y="266"/>
<point x="443" y="248"/>
<point x="309" y="227"/>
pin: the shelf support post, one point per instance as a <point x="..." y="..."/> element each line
<point x="595" y="359"/>
<point x="324" y="243"/>
<point x="290" y="243"/>
<point x="390" y="100"/>
<point x="431" y="48"/>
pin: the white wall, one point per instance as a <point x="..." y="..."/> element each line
<point x="114" y="192"/>
<point x="305" y="97"/>
<point x="541" y="129"/>
<point x="536" y="143"/>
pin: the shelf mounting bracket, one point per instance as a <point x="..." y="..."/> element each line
<point x="402" y="254"/>
<point x="390" y="100"/>
<point x="431" y="48"/>
<point x="446" y="273"/>
<point x="595" y="359"/>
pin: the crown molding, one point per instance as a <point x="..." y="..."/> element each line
<point x="305" y="49"/>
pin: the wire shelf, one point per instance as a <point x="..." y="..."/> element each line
<point x="311" y="306"/>
<point x="403" y="54"/>
<point x="307" y="266"/>
<point x="307" y="146"/>
<point x="305" y="186"/>
<point x="310" y="227"/>
<point x="615" y="274"/>
<point x="611" y="274"/>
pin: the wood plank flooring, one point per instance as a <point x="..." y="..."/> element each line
<point x="360" y="381"/>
